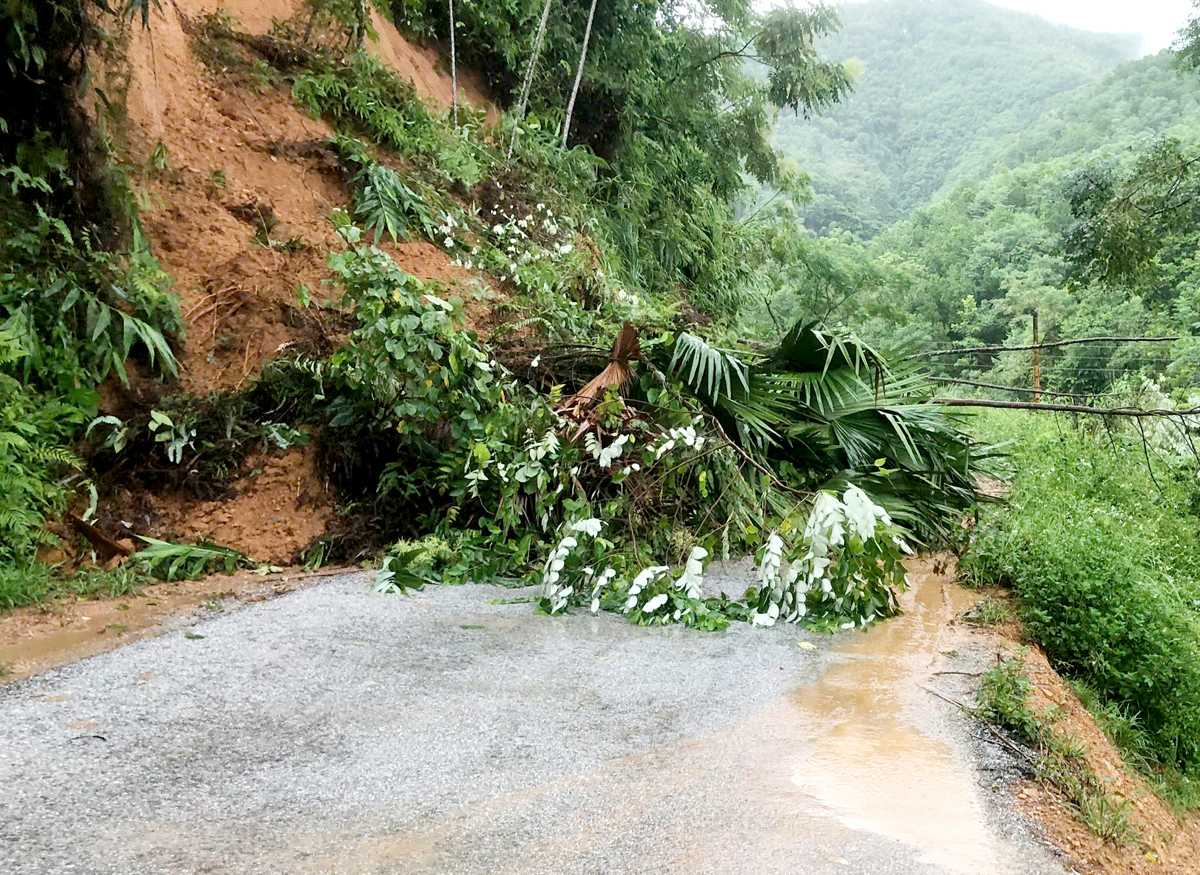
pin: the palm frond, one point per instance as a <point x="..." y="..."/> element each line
<point x="830" y="405"/>
<point x="708" y="371"/>
<point x="807" y="348"/>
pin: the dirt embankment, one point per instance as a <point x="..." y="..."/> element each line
<point x="236" y="195"/>
<point x="1164" y="843"/>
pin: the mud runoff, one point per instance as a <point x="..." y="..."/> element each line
<point x="862" y="771"/>
<point x="868" y="759"/>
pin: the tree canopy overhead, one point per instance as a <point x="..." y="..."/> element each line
<point x="677" y="98"/>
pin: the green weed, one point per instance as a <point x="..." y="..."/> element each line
<point x="91" y="582"/>
<point x="989" y="612"/>
<point x="28" y="584"/>
<point x="1003" y="700"/>
<point x="22" y="585"/>
<point x="1179" y="790"/>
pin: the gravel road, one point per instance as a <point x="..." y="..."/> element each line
<point x="453" y="731"/>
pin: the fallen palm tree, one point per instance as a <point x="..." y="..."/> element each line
<point x="825" y="411"/>
<point x="583" y="407"/>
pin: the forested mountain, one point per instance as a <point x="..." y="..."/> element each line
<point x="1085" y="215"/>
<point x="937" y="79"/>
<point x="1129" y="106"/>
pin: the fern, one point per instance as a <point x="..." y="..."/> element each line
<point x="35" y="460"/>
<point x="10" y="350"/>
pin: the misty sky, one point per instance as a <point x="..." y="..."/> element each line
<point x="1155" y="20"/>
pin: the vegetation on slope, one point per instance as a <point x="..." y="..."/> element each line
<point x="937" y="79"/>
<point x="1086" y="216"/>
<point x="1102" y="553"/>
<point x="688" y="445"/>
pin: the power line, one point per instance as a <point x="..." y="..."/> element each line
<point x="1051" y="344"/>
<point x="1026" y="389"/>
<point x="1065" y="408"/>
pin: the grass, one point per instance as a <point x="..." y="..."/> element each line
<point x="1177" y="789"/>
<point x="1003" y="700"/>
<point x="22" y="585"/>
<point x="990" y="612"/>
<point x="1101" y="559"/>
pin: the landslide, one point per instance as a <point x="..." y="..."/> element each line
<point x="235" y="202"/>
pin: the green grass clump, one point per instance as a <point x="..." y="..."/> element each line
<point x="28" y="584"/>
<point x="1003" y="700"/>
<point x="23" y="585"/>
<point x="1103" y="566"/>
<point x="989" y="612"/>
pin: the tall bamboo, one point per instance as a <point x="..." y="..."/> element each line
<point x="525" y="85"/>
<point x="587" y="35"/>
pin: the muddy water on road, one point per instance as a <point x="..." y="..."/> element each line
<point x="846" y="772"/>
<point x="869" y="761"/>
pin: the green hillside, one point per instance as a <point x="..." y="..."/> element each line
<point x="1129" y="106"/>
<point x="938" y="79"/>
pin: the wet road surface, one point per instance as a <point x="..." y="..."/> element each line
<point x="330" y="730"/>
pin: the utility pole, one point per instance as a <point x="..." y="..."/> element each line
<point x="1037" y="363"/>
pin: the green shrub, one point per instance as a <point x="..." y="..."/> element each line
<point x="1103" y="567"/>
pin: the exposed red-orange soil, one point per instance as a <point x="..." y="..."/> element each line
<point x="239" y="218"/>
<point x="277" y="506"/>
<point x="424" y="66"/>
<point x="1165" y="844"/>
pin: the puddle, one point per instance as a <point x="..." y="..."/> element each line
<point x="799" y="787"/>
<point x="868" y="762"/>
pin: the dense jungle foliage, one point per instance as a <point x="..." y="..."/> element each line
<point x="1083" y="213"/>
<point x="688" y="362"/>
<point x="500" y="459"/>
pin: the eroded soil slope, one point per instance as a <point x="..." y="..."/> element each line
<point x="236" y="193"/>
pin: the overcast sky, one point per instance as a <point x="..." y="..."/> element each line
<point x="1155" y="20"/>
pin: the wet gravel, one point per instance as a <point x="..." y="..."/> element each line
<point x="451" y="730"/>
